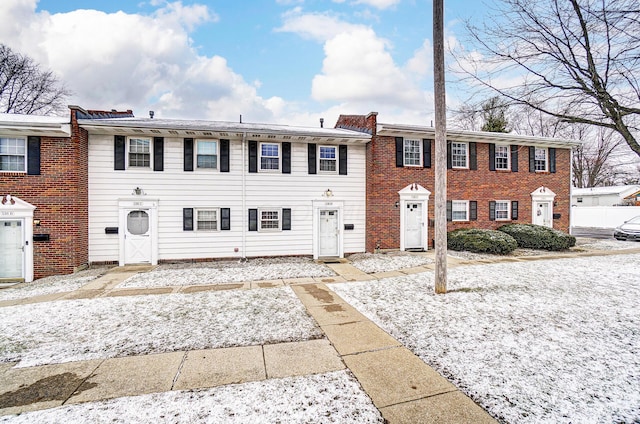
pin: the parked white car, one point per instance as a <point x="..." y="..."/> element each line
<point x="630" y="230"/>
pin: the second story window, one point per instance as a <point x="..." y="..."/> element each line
<point x="12" y="154"/>
<point x="328" y="159"/>
<point x="502" y="157"/>
<point x="207" y="154"/>
<point x="139" y="152"/>
<point x="459" y="155"/>
<point x="540" y="161"/>
<point x="269" y="157"/>
<point x="412" y="153"/>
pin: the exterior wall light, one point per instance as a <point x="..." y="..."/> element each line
<point x="328" y="193"/>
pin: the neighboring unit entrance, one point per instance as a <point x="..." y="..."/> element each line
<point x="328" y="233"/>
<point x="11" y="249"/>
<point x="542" y="206"/>
<point x="413" y="226"/>
<point x="137" y="238"/>
<point x="542" y="215"/>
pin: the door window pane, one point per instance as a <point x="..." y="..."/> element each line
<point x="138" y="223"/>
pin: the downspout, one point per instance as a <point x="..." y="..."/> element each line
<point x="571" y="190"/>
<point x="245" y="224"/>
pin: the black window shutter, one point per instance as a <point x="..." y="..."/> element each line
<point x="492" y="210"/>
<point x="514" y="210"/>
<point x="514" y="158"/>
<point x="224" y="155"/>
<point x="33" y="155"/>
<point x="426" y="153"/>
<point x="225" y="219"/>
<point x="187" y="219"/>
<point x="253" y="156"/>
<point x="158" y="153"/>
<point x="449" y="163"/>
<point x="552" y="160"/>
<point x="532" y="157"/>
<point x="188" y="154"/>
<point x="286" y="219"/>
<point x="399" y="152"/>
<point x="286" y="158"/>
<point x="342" y="160"/>
<point x="119" y="147"/>
<point x="492" y="157"/>
<point x="253" y="219"/>
<point x="473" y="156"/>
<point x="473" y="210"/>
<point x="449" y="210"/>
<point x="311" y="158"/>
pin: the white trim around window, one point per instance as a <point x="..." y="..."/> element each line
<point x="459" y="155"/>
<point x="207" y="154"/>
<point x="139" y="152"/>
<point x="269" y="157"/>
<point x="541" y="159"/>
<point x="459" y="210"/>
<point x="13" y="154"/>
<point x="270" y="219"/>
<point x="503" y="210"/>
<point x="503" y="157"/>
<point x="412" y="152"/>
<point x="328" y="159"/>
<point x="207" y="219"/>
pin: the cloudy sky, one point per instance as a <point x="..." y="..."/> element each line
<point x="278" y="61"/>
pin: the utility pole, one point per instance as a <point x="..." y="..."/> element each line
<point x="441" y="148"/>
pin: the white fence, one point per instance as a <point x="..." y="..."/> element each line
<point x="602" y="216"/>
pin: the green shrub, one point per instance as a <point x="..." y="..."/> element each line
<point x="481" y="241"/>
<point x="532" y="236"/>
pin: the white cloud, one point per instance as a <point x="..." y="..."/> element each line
<point x="378" y="4"/>
<point x="316" y="26"/>
<point x="421" y="63"/>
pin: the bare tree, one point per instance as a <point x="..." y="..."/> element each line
<point x="576" y="60"/>
<point x="26" y="88"/>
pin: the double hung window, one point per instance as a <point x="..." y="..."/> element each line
<point x="13" y="153"/>
<point x="459" y="155"/>
<point x="207" y="154"/>
<point x="328" y="159"/>
<point x="269" y="220"/>
<point x="459" y="210"/>
<point x="207" y="220"/>
<point x="502" y="210"/>
<point x="269" y="157"/>
<point x="412" y="152"/>
<point x="540" y="159"/>
<point x="502" y="157"/>
<point x="140" y="152"/>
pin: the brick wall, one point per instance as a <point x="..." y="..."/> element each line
<point x="60" y="196"/>
<point x="385" y="180"/>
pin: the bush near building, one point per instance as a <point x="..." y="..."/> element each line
<point x="481" y="241"/>
<point x="532" y="236"/>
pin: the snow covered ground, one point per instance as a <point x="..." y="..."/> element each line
<point x="184" y="274"/>
<point x="554" y="341"/>
<point x="51" y="285"/>
<point x="72" y="330"/>
<point x="389" y="261"/>
<point x="326" y="398"/>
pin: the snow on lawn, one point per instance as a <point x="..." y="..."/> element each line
<point x="51" y="285"/>
<point x="553" y="341"/>
<point x="334" y="397"/>
<point x="72" y="330"/>
<point x="609" y="244"/>
<point x="184" y="274"/>
<point x="389" y="261"/>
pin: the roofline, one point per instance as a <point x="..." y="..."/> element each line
<point x="47" y="126"/>
<point x="231" y="130"/>
<point x="477" y="136"/>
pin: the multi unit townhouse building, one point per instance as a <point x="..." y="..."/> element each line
<point x="105" y="187"/>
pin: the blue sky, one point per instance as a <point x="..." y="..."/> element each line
<point x="279" y="61"/>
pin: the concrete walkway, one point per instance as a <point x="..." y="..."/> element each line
<point x="401" y="386"/>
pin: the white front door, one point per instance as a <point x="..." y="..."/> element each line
<point x="137" y="237"/>
<point x="328" y="237"/>
<point x="542" y="214"/>
<point x="11" y="249"/>
<point x="413" y="226"/>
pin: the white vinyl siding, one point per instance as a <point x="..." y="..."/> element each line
<point x="459" y="155"/>
<point x="175" y="189"/>
<point x="459" y="210"/>
<point x="503" y="210"/>
<point x="13" y="154"/>
<point x="206" y="154"/>
<point x="502" y="157"/>
<point x="412" y="152"/>
<point x="139" y="152"/>
<point x="328" y="159"/>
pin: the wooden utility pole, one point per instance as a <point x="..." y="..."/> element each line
<point x="441" y="147"/>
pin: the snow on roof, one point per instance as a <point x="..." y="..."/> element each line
<point x="601" y="191"/>
<point x="220" y="126"/>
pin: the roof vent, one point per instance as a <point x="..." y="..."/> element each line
<point x="151" y="113"/>
<point x="321" y="122"/>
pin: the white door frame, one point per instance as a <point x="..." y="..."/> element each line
<point x="321" y="205"/>
<point x="542" y="195"/>
<point x="15" y="209"/>
<point x="132" y="204"/>
<point x="414" y="193"/>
